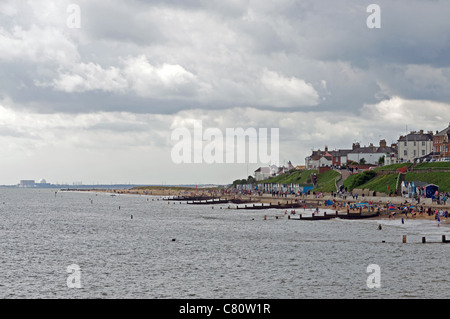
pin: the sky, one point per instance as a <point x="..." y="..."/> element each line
<point x="93" y="91"/>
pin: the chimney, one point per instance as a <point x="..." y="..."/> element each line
<point x="383" y="143"/>
<point x="355" y="146"/>
<point x="421" y="132"/>
<point x="326" y="149"/>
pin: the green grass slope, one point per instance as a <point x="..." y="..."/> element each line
<point x="442" y="179"/>
<point x="326" y="182"/>
<point x="293" y="177"/>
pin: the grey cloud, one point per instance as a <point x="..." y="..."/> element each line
<point x="310" y="40"/>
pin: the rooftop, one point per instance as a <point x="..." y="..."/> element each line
<point x="416" y="137"/>
<point x="444" y="132"/>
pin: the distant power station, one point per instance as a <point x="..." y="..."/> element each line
<point x="32" y="184"/>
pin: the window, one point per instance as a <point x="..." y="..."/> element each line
<point x="423" y="152"/>
<point x="414" y="143"/>
<point x="406" y="143"/>
<point x="423" y="143"/>
<point x="405" y="153"/>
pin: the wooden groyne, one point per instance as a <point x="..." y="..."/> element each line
<point x="424" y="240"/>
<point x="326" y="216"/>
<point x="189" y="198"/>
<point x="279" y="205"/>
<point x="208" y="202"/>
<point x="240" y="201"/>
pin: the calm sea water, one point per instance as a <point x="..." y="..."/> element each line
<point x="217" y="253"/>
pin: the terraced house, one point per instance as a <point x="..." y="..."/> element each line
<point x="415" y="145"/>
<point x="441" y="143"/>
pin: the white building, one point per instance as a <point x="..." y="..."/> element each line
<point x="390" y="159"/>
<point x="371" y="154"/>
<point x="27" y="183"/>
<point x="263" y="173"/>
<point x="414" y="146"/>
<point x="319" y="159"/>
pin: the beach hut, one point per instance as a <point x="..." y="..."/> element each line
<point x="411" y="189"/>
<point x="404" y="189"/>
<point x="431" y="190"/>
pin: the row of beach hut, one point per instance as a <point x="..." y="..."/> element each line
<point x="419" y="189"/>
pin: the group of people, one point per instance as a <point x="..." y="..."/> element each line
<point x="442" y="198"/>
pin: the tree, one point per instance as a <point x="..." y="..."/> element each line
<point x="362" y="161"/>
<point x="381" y="160"/>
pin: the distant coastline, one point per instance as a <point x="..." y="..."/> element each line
<point x="102" y="186"/>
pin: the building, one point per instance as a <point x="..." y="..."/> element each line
<point x="43" y="184"/>
<point x="263" y="173"/>
<point x="415" y="145"/>
<point x="441" y="143"/>
<point x="319" y="159"/>
<point x="340" y="157"/>
<point x="27" y="183"/>
<point x="371" y="154"/>
<point x="390" y="159"/>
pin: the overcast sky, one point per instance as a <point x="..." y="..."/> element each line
<point x="99" y="103"/>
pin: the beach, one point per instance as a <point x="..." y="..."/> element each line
<point x="306" y="201"/>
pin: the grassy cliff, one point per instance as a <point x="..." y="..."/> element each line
<point x="325" y="181"/>
<point x="433" y="173"/>
<point x="291" y="177"/>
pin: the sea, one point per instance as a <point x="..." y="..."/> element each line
<point x="90" y="245"/>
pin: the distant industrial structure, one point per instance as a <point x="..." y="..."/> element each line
<point x="31" y="183"/>
<point x="44" y="184"/>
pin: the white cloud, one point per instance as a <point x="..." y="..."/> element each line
<point x="398" y="112"/>
<point x="281" y="91"/>
<point x="135" y="75"/>
<point x="90" y="77"/>
<point x="38" y="45"/>
<point x="164" y="81"/>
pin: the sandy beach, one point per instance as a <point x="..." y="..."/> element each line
<point x="310" y="201"/>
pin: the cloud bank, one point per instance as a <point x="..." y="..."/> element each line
<point x="113" y="89"/>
